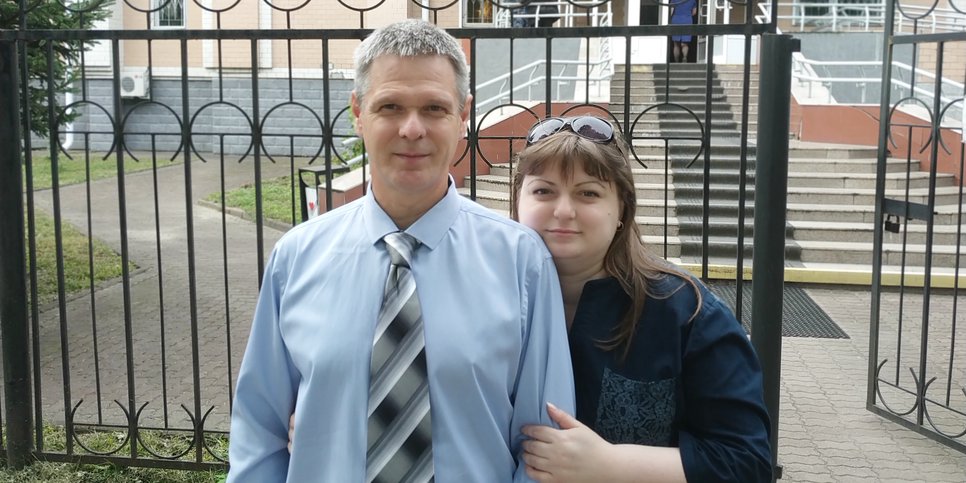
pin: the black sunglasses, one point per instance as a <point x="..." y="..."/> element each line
<point x="588" y="127"/>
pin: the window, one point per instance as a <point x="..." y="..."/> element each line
<point x="479" y="11"/>
<point x="170" y="13"/>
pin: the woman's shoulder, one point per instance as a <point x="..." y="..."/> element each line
<point x="683" y="291"/>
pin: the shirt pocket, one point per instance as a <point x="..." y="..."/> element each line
<point x="635" y="412"/>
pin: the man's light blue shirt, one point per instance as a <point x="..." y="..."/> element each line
<point x="496" y="344"/>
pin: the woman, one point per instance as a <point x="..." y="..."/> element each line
<point x="682" y="13"/>
<point x="668" y="387"/>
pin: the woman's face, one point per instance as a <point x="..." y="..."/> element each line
<point x="577" y="218"/>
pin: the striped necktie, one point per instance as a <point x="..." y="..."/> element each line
<point x="400" y="439"/>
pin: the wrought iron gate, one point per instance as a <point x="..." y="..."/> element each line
<point x="256" y="90"/>
<point x="917" y="373"/>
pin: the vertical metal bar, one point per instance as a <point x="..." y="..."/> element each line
<point x="771" y="182"/>
<point x="328" y="135"/>
<point x="92" y="289"/>
<point x="26" y="124"/>
<point x="13" y="277"/>
<point x="256" y="151"/>
<point x="959" y="253"/>
<point x="162" y="343"/>
<point x="883" y="149"/>
<point x="627" y="91"/>
<point x="773" y="20"/>
<point x="59" y="245"/>
<point x="930" y="227"/>
<point x="706" y="176"/>
<point x="743" y="169"/>
<point x="548" y="75"/>
<point x="192" y="268"/>
<point x="473" y="138"/>
<point x="224" y="259"/>
<point x="122" y="225"/>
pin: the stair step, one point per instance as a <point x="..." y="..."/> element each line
<point x="945" y="215"/>
<point x="852" y="232"/>
<point x="805" y="195"/>
<point x="859" y="253"/>
<point x="717" y="246"/>
<point x="892" y="253"/>
<point x="796" y="179"/>
<point x="656" y="225"/>
<point x="832" y="151"/>
<point x="653" y="158"/>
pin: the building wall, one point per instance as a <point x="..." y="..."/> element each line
<point x="256" y="14"/>
<point x="224" y="121"/>
<point x="218" y="126"/>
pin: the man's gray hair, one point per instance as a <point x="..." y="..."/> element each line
<point x="411" y="38"/>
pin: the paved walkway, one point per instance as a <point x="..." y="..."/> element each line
<point x="826" y="432"/>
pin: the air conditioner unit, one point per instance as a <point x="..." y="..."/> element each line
<point x="135" y="83"/>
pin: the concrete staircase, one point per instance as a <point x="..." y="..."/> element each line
<point x="674" y="96"/>
<point x="831" y="188"/>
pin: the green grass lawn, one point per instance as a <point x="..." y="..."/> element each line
<point x="106" y="441"/>
<point x="72" y="171"/>
<point x="107" y="263"/>
<point x="40" y="472"/>
<point x="276" y="200"/>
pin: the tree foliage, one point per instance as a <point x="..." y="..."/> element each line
<point x="64" y="56"/>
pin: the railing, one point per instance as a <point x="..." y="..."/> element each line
<point x="821" y="86"/>
<point x="567" y="12"/>
<point x="599" y="72"/>
<point x="839" y="16"/>
<point x="805" y="71"/>
<point x="935" y="21"/>
<point x="836" y="16"/>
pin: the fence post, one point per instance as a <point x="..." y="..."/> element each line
<point x="14" y="326"/>
<point x="771" y="182"/>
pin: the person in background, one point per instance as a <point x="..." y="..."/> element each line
<point x="682" y="13"/>
<point x="480" y="289"/>
<point x="669" y="389"/>
<point x="535" y="14"/>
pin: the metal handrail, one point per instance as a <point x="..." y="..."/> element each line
<point x="598" y="72"/>
<point x="535" y="68"/>
<point x="803" y="70"/>
<point x="868" y="16"/>
<point x="565" y="9"/>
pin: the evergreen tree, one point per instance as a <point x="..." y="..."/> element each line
<point x="51" y="15"/>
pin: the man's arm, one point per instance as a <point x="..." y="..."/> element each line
<point x="264" y="394"/>
<point x="545" y="374"/>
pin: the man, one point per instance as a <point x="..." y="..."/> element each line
<point x="496" y="348"/>
<point x="532" y="15"/>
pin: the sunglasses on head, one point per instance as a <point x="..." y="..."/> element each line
<point x="588" y="127"/>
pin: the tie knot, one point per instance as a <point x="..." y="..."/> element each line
<point x="400" y="246"/>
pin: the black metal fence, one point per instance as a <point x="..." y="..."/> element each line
<point x="917" y="373"/>
<point x="135" y="332"/>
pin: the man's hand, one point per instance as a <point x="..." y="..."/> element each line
<point x="573" y="453"/>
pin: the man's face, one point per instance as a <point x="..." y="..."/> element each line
<point x="411" y="122"/>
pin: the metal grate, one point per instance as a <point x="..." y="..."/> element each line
<point x="802" y="317"/>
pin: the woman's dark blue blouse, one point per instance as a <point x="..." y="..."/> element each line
<point x="695" y="385"/>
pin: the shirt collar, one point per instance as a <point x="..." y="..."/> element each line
<point x="429" y="229"/>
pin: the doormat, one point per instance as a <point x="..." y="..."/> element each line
<point x="802" y="316"/>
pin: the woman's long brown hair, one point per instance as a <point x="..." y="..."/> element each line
<point x="626" y="260"/>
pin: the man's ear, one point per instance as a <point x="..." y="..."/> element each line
<point x="356" y="110"/>
<point x="465" y="113"/>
